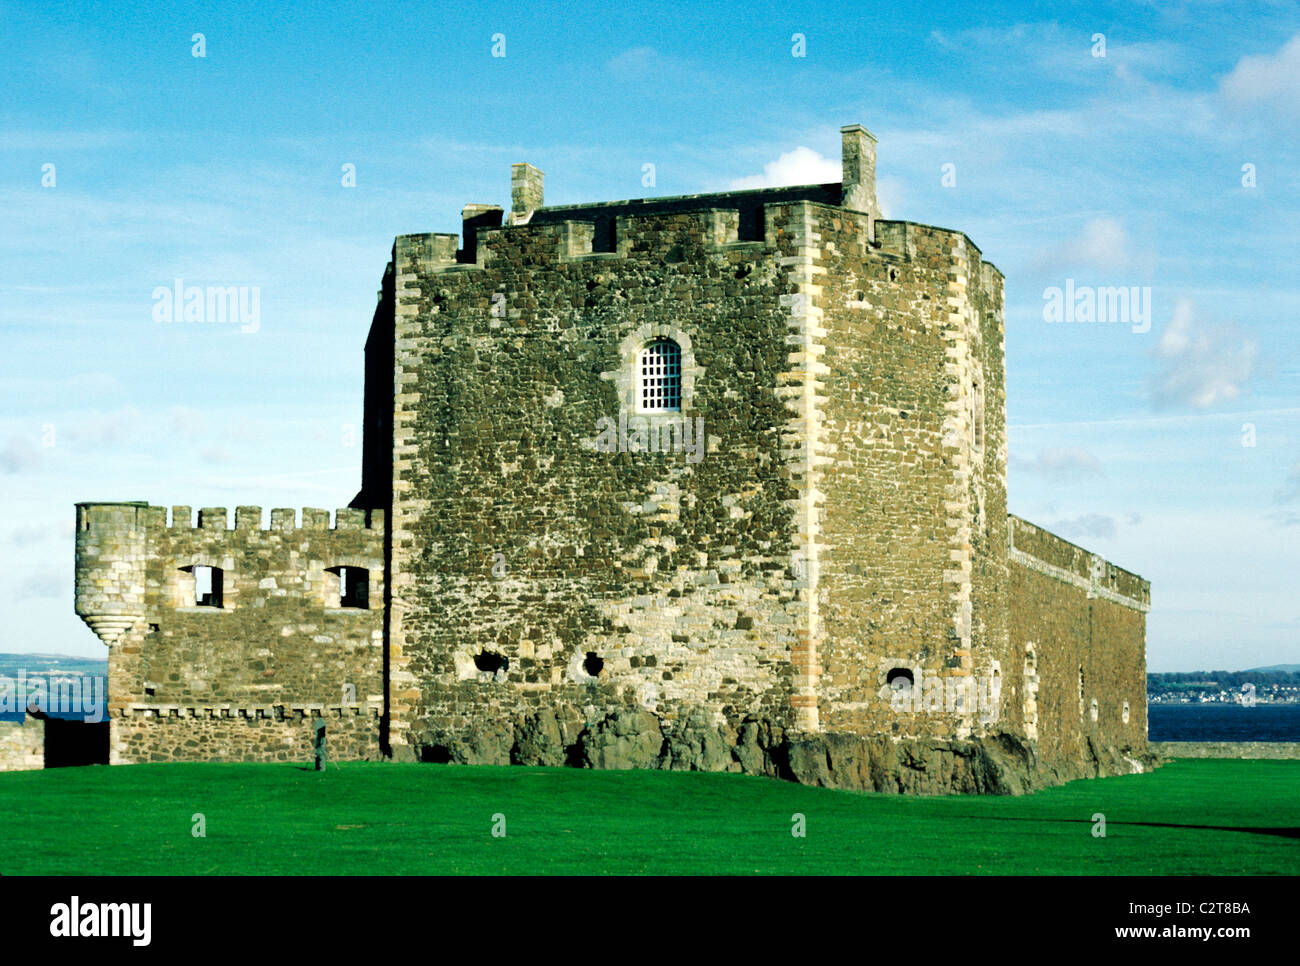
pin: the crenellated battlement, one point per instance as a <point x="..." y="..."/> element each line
<point x="180" y="517"/>
<point x="277" y="712"/>
<point x="252" y="518"/>
<point x="134" y="558"/>
<point x="661" y="231"/>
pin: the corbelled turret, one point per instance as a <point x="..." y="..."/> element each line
<point x="111" y="550"/>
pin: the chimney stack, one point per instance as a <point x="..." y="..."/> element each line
<point x="858" y="161"/>
<point x="525" y="192"/>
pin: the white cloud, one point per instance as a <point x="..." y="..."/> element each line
<point x="25" y="536"/>
<point x="1087" y="525"/>
<point x="44" y="583"/>
<point x="635" y="62"/>
<point x="1103" y="244"/>
<point x="215" y="454"/>
<point x="1062" y="464"/>
<point x="1268" y="80"/>
<point x="1201" y="364"/>
<point x="800" y="166"/>
<point x="63" y="141"/>
<point x="18" y="455"/>
<point x="1062" y="53"/>
<point x="109" y="428"/>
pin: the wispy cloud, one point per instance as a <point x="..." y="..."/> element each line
<point x="1201" y="364"/>
<point x="1102" y="245"/>
<point x="54" y="142"/>
<point x="1267" y="82"/>
<point x="44" y="583"/>
<point x="1290" y="489"/>
<point x="1087" y="525"/>
<point x="18" y="454"/>
<point x="1060" y="464"/>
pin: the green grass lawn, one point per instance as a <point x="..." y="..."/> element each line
<point x="1190" y="817"/>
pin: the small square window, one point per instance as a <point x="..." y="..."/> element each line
<point x="353" y="586"/>
<point x="208" y="585"/>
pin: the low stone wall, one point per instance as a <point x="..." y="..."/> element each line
<point x="22" y="745"/>
<point x="242" y="734"/>
<point x="1227" y="749"/>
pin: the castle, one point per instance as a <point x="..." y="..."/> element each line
<point x="714" y="482"/>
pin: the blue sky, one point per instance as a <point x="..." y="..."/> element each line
<point x="1122" y="170"/>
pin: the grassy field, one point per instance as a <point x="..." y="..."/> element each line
<point x="1189" y="817"/>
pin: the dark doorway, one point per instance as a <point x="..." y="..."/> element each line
<point x="69" y="742"/>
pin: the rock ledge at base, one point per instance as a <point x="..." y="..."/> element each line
<point x="1002" y="764"/>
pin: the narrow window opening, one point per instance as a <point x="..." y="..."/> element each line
<point x="353" y="587"/>
<point x="1031" y="693"/>
<point x="208" y="585"/>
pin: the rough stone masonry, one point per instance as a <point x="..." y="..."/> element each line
<point x="708" y="482"/>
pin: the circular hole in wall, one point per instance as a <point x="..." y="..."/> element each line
<point x="490" y="662"/>
<point x="593" y="664"/>
<point x="900" y="679"/>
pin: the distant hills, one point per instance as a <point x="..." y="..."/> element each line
<point x="51" y="664"/>
<point x="1278" y="683"/>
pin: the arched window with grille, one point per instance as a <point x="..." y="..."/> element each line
<point x="659" y="375"/>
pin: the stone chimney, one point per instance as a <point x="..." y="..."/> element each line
<point x="525" y="192"/>
<point x="858" y="161"/>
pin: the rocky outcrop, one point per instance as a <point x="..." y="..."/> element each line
<point x="630" y="738"/>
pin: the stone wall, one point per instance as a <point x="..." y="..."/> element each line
<point x="1079" y="686"/>
<point x="246" y="734"/>
<point x="1227" y="749"/>
<point x="22" y="745"/>
<point x="533" y="572"/>
<point x="912" y="549"/>
<point x="279" y="640"/>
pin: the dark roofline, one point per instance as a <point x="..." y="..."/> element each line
<point x="720" y="199"/>
<point x="747" y="204"/>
